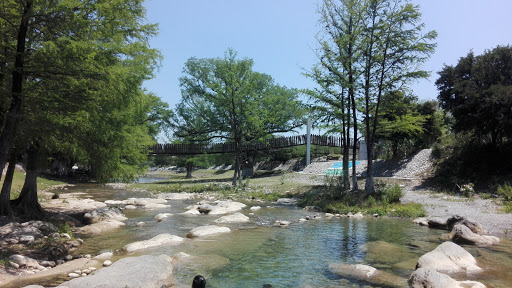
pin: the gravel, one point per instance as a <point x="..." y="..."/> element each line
<point x="484" y="211"/>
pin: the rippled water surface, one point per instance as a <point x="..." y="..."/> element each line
<point x="296" y="256"/>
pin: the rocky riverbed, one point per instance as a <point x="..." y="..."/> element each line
<point x="100" y="217"/>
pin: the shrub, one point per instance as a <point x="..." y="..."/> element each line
<point x="505" y="191"/>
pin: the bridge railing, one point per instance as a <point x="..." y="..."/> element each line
<point x="274" y="143"/>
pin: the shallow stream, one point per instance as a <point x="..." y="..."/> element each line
<point x="295" y="256"/>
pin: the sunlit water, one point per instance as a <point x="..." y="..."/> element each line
<point x="296" y="256"/>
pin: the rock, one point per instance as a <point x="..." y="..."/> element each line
<point x="15" y="265"/>
<point x="24" y="261"/>
<point x="131" y="272"/>
<point x="225" y="207"/>
<point x="104" y="256"/>
<point x="209" y="230"/>
<point x="459" y="220"/>
<point x="27" y="239"/>
<point x="357" y="215"/>
<point x="104" y="214"/>
<point x="100" y="227"/>
<point x="68" y="258"/>
<point x="233" y="218"/>
<point x="461" y="234"/>
<point x="368" y="274"/>
<point x="162" y="239"/>
<point x="286" y="201"/>
<point x="48" y="263"/>
<point x="130" y="207"/>
<point x="162" y="216"/>
<point x="449" y="258"/>
<point x="281" y="223"/>
<point x="34" y="286"/>
<point x="156" y="206"/>
<point x="424" y="277"/>
<point x="449" y="223"/>
<point x="55" y="250"/>
<point x="255" y="208"/>
<point x="329" y="215"/>
<point x="141" y="224"/>
<point x="65" y="236"/>
<point x="107" y="263"/>
<point x="421" y="221"/>
<point x="141" y="202"/>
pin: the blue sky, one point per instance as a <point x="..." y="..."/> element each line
<point x="279" y="35"/>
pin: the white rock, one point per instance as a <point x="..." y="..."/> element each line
<point x="233" y="218"/>
<point x="104" y="256"/>
<point x="141" y="224"/>
<point x="162" y="216"/>
<point x="73" y="275"/>
<point x="449" y="258"/>
<point x="255" y="208"/>
<point x="208" y="230"/>
<point x="107" y="263"/>
<point x="162" y="239"/>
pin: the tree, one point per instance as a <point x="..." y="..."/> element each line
<point x="393" y="48"/>
<point x="78" y="95"/>
<point x="337" y="72"/>
<point x="400" y="121"/>
<point x="374" y="48"/>
<point x="222" y="98"/>
<point x="478" y="93"/>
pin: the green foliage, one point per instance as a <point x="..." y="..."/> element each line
<point x="505" y="191"/>
<point x="478" y="92"/>
<point x="224" y="98"/>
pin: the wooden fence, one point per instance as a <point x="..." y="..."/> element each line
<point x="274" y="143"/>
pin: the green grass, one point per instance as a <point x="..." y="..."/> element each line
<point x="271" y="185"/>
<point x="18" y="180"/>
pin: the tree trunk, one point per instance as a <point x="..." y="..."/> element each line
<point x="190" y="167"/>
<point x="11" y="122"/>
<point x="354" y="147"/>
<point x="346" y="141"/>
<point x="27" y="204"/>
<point x="248" y="166"/>
<point x="369" y="184"/>
<point x="5" y="195"/>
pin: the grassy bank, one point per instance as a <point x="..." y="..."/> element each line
<point x="320" y="191"/>
<point x="19" y="179"/>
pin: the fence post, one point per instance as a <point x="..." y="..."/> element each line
<point x="308" y="143"/>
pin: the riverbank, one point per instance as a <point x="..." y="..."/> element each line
<point x="214" y="185"/>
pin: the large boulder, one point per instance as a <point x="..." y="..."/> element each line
<point x="449" y="223"/>
<point x="162" y="239"/>
<point x="233" y="218"/>
<point x="147" y="271"/>
<point x="220" y="207"/>
<point x="424" y="277"/>
<point x="100" y="227"/>
<point x="208" y="230"/>
<point x="449" y="258"/>
<point x="463" y="235"/>
<point x="367" y="274"/>
<point x="104" y="214"/>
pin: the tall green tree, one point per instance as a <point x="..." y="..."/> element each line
<point x="78" y="94"/>
<point x="223" y="98"/>
<point x="478" y="93"/>
<point x="394" y="47"/>
<point x="400" y="120"/>
<point x="337" y="71"/>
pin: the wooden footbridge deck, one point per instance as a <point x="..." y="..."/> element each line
<point x="217" y="148"/>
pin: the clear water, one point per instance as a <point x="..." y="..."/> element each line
<point x="296" y="256"/>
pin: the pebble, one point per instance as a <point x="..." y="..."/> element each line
<point x="107" y="263"/>
<point x="73" y="275"/>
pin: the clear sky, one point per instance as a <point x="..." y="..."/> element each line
<point x="279" y="35"/>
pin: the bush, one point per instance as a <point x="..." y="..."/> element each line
<point x="505" y="191"/>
